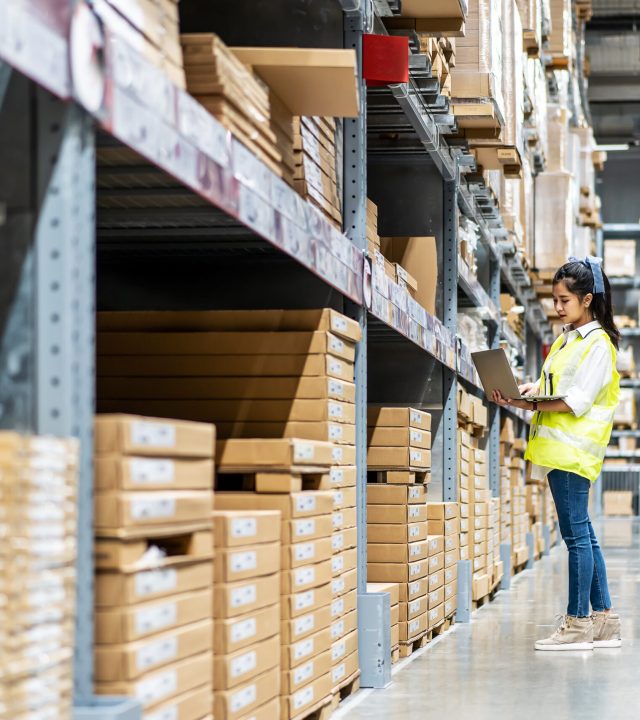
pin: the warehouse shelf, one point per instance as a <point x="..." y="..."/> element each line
<point x="625" y="282"/>
<point x="523" y="415"/>
<point x="514" y="341"/>
<point x="624" y="454"/>
<point x="468" y="205"/>
<point x="466" y="367"/>
<point x="630" y="332"/>
<point x="625" y="433"/>
<point x="475" y="293"/>
<point x="630" y="382"/>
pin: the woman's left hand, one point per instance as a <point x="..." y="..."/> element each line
<point x="499" y="399"/>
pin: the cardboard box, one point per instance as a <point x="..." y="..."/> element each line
<point x="620" y="258"/>
<point x="296" y="678"/>
<point x="232" y="564"/>
<point x="414" y="589"/>
<point x="392" y="588"/>
<point x="451" y="590"/>
<point x="436" y="616"/>
<point x="344" y="454"/>
<point x="436" y="579"/>
<point x="344" y="498"/>
<point x="303" y="530"/>
<point x="152" y="437"/>
<point x="419" y="257"/>
<point x="114" y="472"/>
<point x="295" y="654"/>
<point x="442" y="511"/>
<point x="397" y="553"/>
<point x="344" y="583"/>
<point x="413" y="628"/>
<point x="236" y="703"/>
<point x="481" y="585"/>
<point x="398" y="457"/>
<point x="342" y="477"/>
<point x="380" y="436"/>
<point x="305" y="577"/>
<point x="436" y="562"/>
<point x="451" y="574"/>
<point x="344" y="539"/>
<point x="168" y="682"/>
<point x="245" y="596"/>
<point x="411" y="609"/>
<point x="290" y="505"/>
<point x="305" y="602"/>
<point x="343" y="605"/>
<point x="344" y="624"/>
<point x="275" y="453"/>
<point x="436" y="544"/>
<point x="345" y="669"/>
<point x="192" y="705"/>
<point x="344" y="562"/>
<point x="448" y="528"/>
<point x="117" y="512"/>
<point x="396" y="514"/>
<point x="342" y="519"/>
<point x="233" y="634"/>
<point x="395" y="572"/>
<point x="308" y="696"/>
<point x="398" y="417"/>
<point x="451" y="557"/>
<point x="296" y="629"/>
<point x="315" y="551"/>
<point x="239" y="528"/>
<point x="243" y="665"/>
<point x="126" y="624"/>
<point x="344" y="647"/>
<point x="385" y="533"/>
<point x="382" y="494"/>
<point x="451" y="542"/>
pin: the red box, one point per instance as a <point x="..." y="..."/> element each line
<point x="385" y="59"/>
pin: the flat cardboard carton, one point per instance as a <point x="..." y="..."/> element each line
<point x="414" y="589"/>
<point x="344" y="583"/>
<point x="411" y="609"/>
<point x="392" y="588"/>
<point x="344" y="498"/>
<point x="436" y="544"/>
<point x="337" y="432"/>
<point x="295" y="630"/>
<point x="342" y="519"/>
<point x="275" y="453"/>
<point x="245" y="596"/>
<point x="344" y="647"/>
<point x="232" y="564"/>
<point x="419" y="257"/>
<point x="381" y="436"/>
<point x="344" y="562"/>
<point x="399" y="573"/>
<point x="382" y="494"/>
<point x="161" y="685"/>
<point x="312" y="694"/>
<point x="451" y="591"/>
<point x="448" y="528"/>
<point x="315" y="551"/>
<point x="436" y="562"/>
<point x="294" y="654"/>
<point x="481" y="585"/>
<point x="413" y="628"/>
<point x="400" y="514"/>
<point x="114" y="472"/>
<point x="153" y="437"/>
<point x="385" y="533"/>
<point x="303" y="530"/>
<point x="126" y="624"/>
<point x="342" y="477"/>
<point x="397" y="553"/>
<point x="345" y="669"/>
<point x="238" y="702"/>
<point x="442" y="511"/>
<point x="296" y="678"/>
<point x="387" y="458"/>
<point x="130" y="661"/>
<point x="344" y="604"/>
<point x="450" y="606"/>
<point x="436" y="616"/>
<point x="307" y="503"/>
<point x="240" y="528"/>
<point x="243" y="665"/>
<point x="305" y="602"/>
<point x="398" y="417"/>
<point x="395" y="614"/>
<point x="192" y="705"/>
<point x="436" y="597"/>
<point x="233" y="634"/>
<point x="305" y="577"/>
<point x="436" y="579"/>
<point x="344" y="625"/>
<point x="451" y="574"/>
<point x="344" y="539"/>
<point x="343" y="453"/>
<point x="451" y="557"/>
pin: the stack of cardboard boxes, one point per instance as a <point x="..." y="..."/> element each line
<point x="373" y="239"/>
<point x="494" y="561"/>
<point x="38" y="484"/>
<point x="394" y="606"/>
<point x="444" y="521"/>
<point x="514" y="467"/>
<point x="246" y="676"/>
<point x="154" y="549"/>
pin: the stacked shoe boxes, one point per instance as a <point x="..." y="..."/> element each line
<point x="444" y="520"/>
<point x="394" y="603"/>
<point x="154" y="549"/>
<point x="505" y="504"/>
<point x="38" y="486"/>
<point x="398" y="550"/>
<point x="494" y="538"/>
<point x="436" y="581"/>
<point x="465" y="493"/>
<point x="246" y="677"/>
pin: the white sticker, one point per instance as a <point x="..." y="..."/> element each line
<point x="414" y="606"/>
<point x="336" y="474"/>
<point x="338" y="650"/>
<point x="338" y="520"/>
<point x="303" y="648"/>
<point x="335" y="367"/>
<point x="434" y="614"/>
<point x="305" y="503"/>
<point x="170" y="713"/>
<point x="414" y="587"/>
<point x="306" y="551"/>
<point x="304" y="576"/>
<point x="414" y="626"/>
<point x="338" y="498"/>
<point x="152" y="582"/>
<point x="433" y="546"/>
<point x="336" y="388"/>
<point x="414" y="493"/>
<point x="244" y="664"/>
<point x="302" y="451"/>
<point x="335" y="433"/>
<point x="335" y="344"/>
<point x="243" y="698"/>
<point x="416" y="417"/>
<point x="337" y="607"/>
<point x="157" y="687"/>
<point x="303" y="697"/>
<point x="416" y="436"/>
<point x="337" y="564"/>
<point x="152" y="509"/>
<point x="147" y="471"/>
<point x="338" y="672"/>
<point x="415" y="550"/>
<point x="245" y="595"/>
<point x="304" y="600"/>
<point x="303" y="673"/>
<point x="337" y="453"/>
<point x="338" y="323"/>
<point x="156" y="653"/>
<point x="335" y="410"/>
<point x="414" y="511"/>
<point x="153" y="434"/>
<point x="434" y="561"/>
<point x="414" y="531"/>
<point x="244" y="527"/>
<point x="416" y="456"/>
<point x="304" y="528"/>
<point x="304" y="624"/>
<point x="243" y="629"/>
<point x="243" y="561"/>
<point x="338" y="586"/>
<point x="155" y="618"/>
<point x="448" y="575"/>
<point x="337" y="542"/>
<point x="415" y="569"/>
<point x="337" y="629"/>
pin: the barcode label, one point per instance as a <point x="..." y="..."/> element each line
<point x="153" y="434"/>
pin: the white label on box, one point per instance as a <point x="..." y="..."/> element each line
<point x="306" y="551"/>
<point x="433" y="546"/>
<point x="338" y="650"/>
<point x="414" y="587"/>
<point x="152" y="509"/>
<point x="244" y="527"/>
<point x="153" y="434"/>
<point x="337" y="563"/>
<point x="335" y="367"/>
<point x="156" y="653"/>
<point x="304" y="600"/>
<point x="302" y="451"/>
<point x="337" y="629"/>
<point x="414" y="493"/>
<point x="338" y="498"/>
<point x="303" y="697"/>
<point x="448" y="607"/>
<point x="243" y="561"/>
<point x="416" y="417"/>
<point x="434" y="561"/>
<point x="303" y="673"/>
<point x="416" y="436"/>
<point x="245" y="595"/>
<point x="449" y="543"/>
<point x="335" y="344"/>
<point x="155" y="688"/>
<point x="243" y="629"/>
<point x="414" y="625"/>
<point x="303" y="648"/>
<point x="336" y="388"/>
<point x="244" y="664"/>
<point x="335" y="410"/>
<point x="338" y="672"/>
<point x="449" y="512"/>
<point x="155" y="618"/>
<point x="170" y="713"/>
<point x="337" y="586"/>
<point x="146" y="471"/>
<point x="304" y="576"/>
<point x="305" y="503"/>
<point x="244" y="697"/>
<point x="414" y="531"/>
<point x="414" y="511"/>
<point x="337" y="453"/>
<point x="416" y="568"/>
<point x="415" y="550"/>
<point x="448" y="575"/>
<point x="433" y="598"/>
<point x="337" y="607"/>
<point x="414" y="606"/>
<point x="335" y="433"/>
<point x="152" y="582"/>
<point x="304" y="624"/>
<point x="434" y="614"/>
<point x="302" y="528"/>
<point x="338" y="520"/>
<point x="338" y="323"/>
<point x="337" y="542"/>
<point x="416" y="456"/>
<point x="336" y="474"/>
<point x="448" y="592"/>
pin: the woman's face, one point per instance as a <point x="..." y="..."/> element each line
<point x="569" y="306"/>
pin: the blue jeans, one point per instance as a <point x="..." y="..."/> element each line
<point x="587" y="571"/>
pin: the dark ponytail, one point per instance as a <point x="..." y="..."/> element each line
<point x="578" y="277"/>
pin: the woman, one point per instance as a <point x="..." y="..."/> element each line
<point x="568" y="439"/>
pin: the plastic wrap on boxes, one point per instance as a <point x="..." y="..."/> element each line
<point x="557" y="138"/>
<point x="531" y="15"/>
<point x="625" y="360"/>
<point x="553" y="219"/>
<point x="541" y="111"/>
<point x="626" y="411"/>
<point x="512" y="87"/>
<point x="560" y="38"/>
<point x="527" y="207"/>
<point x="472" y="329"/>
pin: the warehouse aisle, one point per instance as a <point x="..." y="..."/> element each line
<point x="493" y="660"/>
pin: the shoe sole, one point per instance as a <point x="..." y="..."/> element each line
<point x="607" y="643"/>
<point x="565" y="647"/>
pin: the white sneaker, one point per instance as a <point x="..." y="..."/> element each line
<point x="573" y="633"/>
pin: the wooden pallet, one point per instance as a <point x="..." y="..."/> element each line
<point x="322" y="710"/>
<point x="489" y="597"/>
<point x="408" y="648"/>
<point x="440" y="629"/>
<point x="346" y="689"/>
<point x="399" y="477"/>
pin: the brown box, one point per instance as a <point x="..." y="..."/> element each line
<point x="451" y="574"/>
<point x="395" y="572"/>
<point x="274" y="453"/>
<point x="192" y="705"/>
<point x="126" y="624"/>
<point x="344" y="539"/>
<point x="344" y="647"/>
<point x="344" y="453"/>
<point x="315" y="551"/>
<point x="114" y="472"/>
<point x="290" y="505"/>
<point x="344" y="498"/>
<point x="413" y="608"/>
<point x="380" y="436"/>
<point x="232" y="564"/>
<point x="344" y="562"/>
<point x="481" y="585"/>
<point x="239" y="598"/>
<point x="296" y="678"/>
<point x="238" y="528"/>
<point x="384" y="533"/>
<point x="342" y="519"/>
<point x="303" y="530"/>
<point x="341" y="476"/>
<point x="153" y="437"/>
<point x="344" y="583"/>
<point x="397" y="552"/>
<point x="451" y="557"/>
<point x="398" y="457"/>
<point x="345" y="669"/>
<point x="442" y="511"/>
<point x="344" y="625"/>
<point x="419" y="257"/>
<point x="381" y="494"/>
<point x="413" y="628"/>
<point x="398" y="417"/>
<point x="294" y="654"/>
<point x="292" y="631"/>
<point x="436" y="615"/>
<point x="312" y="694"/>
<point x="400" y="514"/>
<point x="233" y="634"/>
<point x="243" y="665"/>
<point x="448" y="528"/>
<point x="415" y="589"/>
<point x="305" y="577"/>
<point x="305" y="602"/>
<point x="436" y="597"/>
<point x="436" y="544"/>
<point x="451" y="591"/>
<point x="436" y="580"/>
<point x="345" y="604"/>
<point x="236" y="703"/>
<point x="392" y="588"/>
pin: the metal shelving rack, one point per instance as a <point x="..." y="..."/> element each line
<point x="241" y="213"/>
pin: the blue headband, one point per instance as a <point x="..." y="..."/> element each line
<point x="595" y="263"/>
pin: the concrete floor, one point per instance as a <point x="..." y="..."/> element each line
<point x="489" y="670"/>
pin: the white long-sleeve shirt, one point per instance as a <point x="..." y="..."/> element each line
<point x="593" y="373"/>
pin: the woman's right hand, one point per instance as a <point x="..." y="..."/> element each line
<point x="528" y="389"/>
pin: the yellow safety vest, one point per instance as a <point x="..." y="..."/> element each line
<point x="560" y="440"/>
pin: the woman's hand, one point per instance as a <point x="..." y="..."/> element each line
<point x="498" y="399"/>
<point x="528" y="389"/>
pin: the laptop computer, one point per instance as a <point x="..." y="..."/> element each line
<point x="496" y="374"/>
